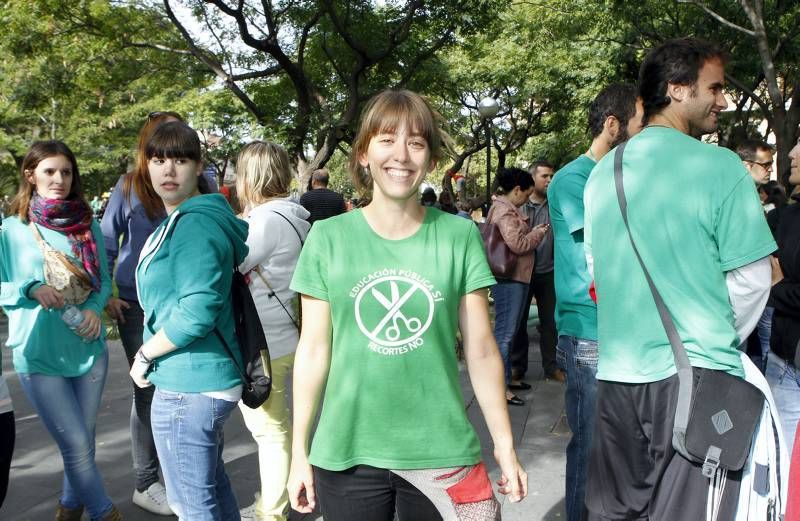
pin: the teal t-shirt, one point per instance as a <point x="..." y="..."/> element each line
<point x="576" y="313"/>
<point x="393" y="398"/>
<point x="694" y="215"/>
<point x="40" y="341"/>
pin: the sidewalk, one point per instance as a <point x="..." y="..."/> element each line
<point x="539" y="428"/>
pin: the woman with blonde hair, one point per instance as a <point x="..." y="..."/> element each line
<point x="278" y="228"/>
<point x="384" y="290"/>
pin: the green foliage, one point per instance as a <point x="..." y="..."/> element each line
<point x="89" y="71"/>
<point x="65" y="78"/>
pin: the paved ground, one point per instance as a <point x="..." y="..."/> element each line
<point x="539" y="428"/>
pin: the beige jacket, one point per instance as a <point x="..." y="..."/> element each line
<point x="517" y="233"/>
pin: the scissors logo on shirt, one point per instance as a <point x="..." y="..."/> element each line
<point x="394" y="311"/>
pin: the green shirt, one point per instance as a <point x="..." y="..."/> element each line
<point x="694" y="216"/>
<point x="393" y="398"/>
<point x="40" y="340"/>
<point x="576" y="313"/>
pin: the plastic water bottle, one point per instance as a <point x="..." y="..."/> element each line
<point x="72" y="316"/>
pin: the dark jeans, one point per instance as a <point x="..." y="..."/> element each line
<point x="509" y="297"/>
<point x="634" y="472"/>
<point x="578" y="358"/>
<point x="143" y="450"/>
<point x="370" y="494"/>
<point x="543" y="288"/>
<point x="7" y="436"/>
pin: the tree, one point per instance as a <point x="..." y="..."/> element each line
<point x="62" y="76"/>
<point x="542" y="76"/>
<point x="774" y="90"/>
<point x="305" y="68"/>
<point x="763" y="83"/>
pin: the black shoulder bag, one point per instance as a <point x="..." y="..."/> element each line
<point x="716" y="418"/>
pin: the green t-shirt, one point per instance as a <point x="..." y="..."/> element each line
<point x="393" y="398"/>
<point x="694" y="215"/>
<point x="576" y="313"/>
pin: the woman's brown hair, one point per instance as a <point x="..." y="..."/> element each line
<point x="38" y="152"/>
<point x="386" y="112"/>
<point x="139" y="178"/>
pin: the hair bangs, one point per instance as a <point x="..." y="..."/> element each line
<point x="386" y="112"/>
<point x="174" y="140"/>
<point x="396" y="110"/>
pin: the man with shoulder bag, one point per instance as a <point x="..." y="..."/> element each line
<point x="681" y="276"/>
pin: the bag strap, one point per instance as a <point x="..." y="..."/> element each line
<point x="685" y="377"/>
<point x="245" y="378"/>
<point x="37" y="234"/>
<point x="62" y="258"/>
<point x="300" y="237"/>
<point x="257" y="271"/>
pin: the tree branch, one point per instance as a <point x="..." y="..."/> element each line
<point x="765" y="108"/>
<point x="424" y="56"/>
<point x="215" y="66"/>
<point x="158" y="47"/>
<point x="721" y="19"/>
<point x="269" y="71"/>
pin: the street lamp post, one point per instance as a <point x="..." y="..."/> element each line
<point x="488" y="108"/>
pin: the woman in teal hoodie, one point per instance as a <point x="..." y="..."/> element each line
<point x="183" y="281"/>
<point x="49" y="259"/>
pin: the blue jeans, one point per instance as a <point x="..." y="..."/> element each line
<point x="578" y="358"/>
<point x="784" y="382"/>
<point x="509" y="297"/>
<point x="68" y="408"/>
<point x="188" y="431"/>
<point x="143" y="449"/>
<point x="763" y="331"/>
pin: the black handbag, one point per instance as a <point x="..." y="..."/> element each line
<point x="716" y="417"/>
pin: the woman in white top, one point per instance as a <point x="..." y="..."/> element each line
<point x="278" y="228"/>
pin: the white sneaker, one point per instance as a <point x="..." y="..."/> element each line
<point x="154" y="500"/>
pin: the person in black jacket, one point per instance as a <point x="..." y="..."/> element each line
<point x="783" y="365"/>
<point x="319" y="200"/>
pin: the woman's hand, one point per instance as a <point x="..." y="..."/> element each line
<point x="115" y="309"/>
<point x="90" y="327"/>
<point x="300" y="486"/>
<point x="48" y="297"/>
<point x="513" y="478"/>
<point x="139" y="369"/>
<point x="541" y="231"/>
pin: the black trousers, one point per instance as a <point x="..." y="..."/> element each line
<point x="7" y="437"/>
<point x="634" y="472"/>
<point x="543" y="288"/>
<point x="367" y="493"/>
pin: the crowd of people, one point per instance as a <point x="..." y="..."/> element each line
<point x="373" y="336"/>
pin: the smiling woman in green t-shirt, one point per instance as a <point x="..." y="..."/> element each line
<point x="384" y="290"/>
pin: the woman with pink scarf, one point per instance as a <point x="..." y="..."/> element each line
<point x="55" y="284"/>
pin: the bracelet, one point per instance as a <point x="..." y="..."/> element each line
<point x="141" y="355"/>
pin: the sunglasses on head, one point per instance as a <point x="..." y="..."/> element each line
<point x="159" y="114"/>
